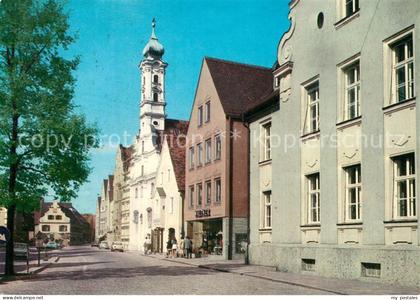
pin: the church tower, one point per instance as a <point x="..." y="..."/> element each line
<point x="152" y="103"/>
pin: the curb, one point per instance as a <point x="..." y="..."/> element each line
<point x="250" y="275"/>
<point x="42" y="268"/>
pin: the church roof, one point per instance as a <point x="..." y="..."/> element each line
<point x="153" y="48"/>
<point x="238" y="85"/>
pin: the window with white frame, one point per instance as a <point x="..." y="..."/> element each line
<point x="200" y="115"/>
<point x="218" y="187"/>
<point x="402" y="79"/>
<point x="208" y="192"/>
<point x="218" y="150"/>
<point x="199" y="155"/>
<point x="191" y="158"/>
<point x="404" y="204"/>
<point x="208" y="151"/>
<point x="199" y="194"/>
<point x="207" y="119"/>
<point x="266" y="142"/>
<point x="311" y="123"/>
<point x="353" y="198"/>
<point x="313" y="198"/>
<point x="352" y="91"/>
<point x="266" y="210"/>
<point x="348" y="8"/>
<point x="191" y="195"/>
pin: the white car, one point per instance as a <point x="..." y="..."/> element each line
<point x="103" y="245"/>
<point x="117" y="246"/>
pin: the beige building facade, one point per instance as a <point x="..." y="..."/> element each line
<point x="340" y="189"/>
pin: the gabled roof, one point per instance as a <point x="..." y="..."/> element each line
<point x="239" y="86"/>
<point x="126" y="155"/>
<point x="67" y="208"/>
<point x="176" y="131"/>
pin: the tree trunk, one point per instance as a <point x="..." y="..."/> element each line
<point x="9" y="269"/>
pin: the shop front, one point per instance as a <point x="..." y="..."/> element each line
<point x="207" y="236"/>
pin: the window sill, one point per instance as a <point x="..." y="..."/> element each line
<point x="310" y="226"/>
<point x="394" y="107"/>
<point x="349" y="123"/>
<point x="265" y="229"/>
<point x="310" y="135"/>
<point x="347" y="19"/>
<point x="265" y="162"/>
<point x="401" y="221"/>
<point x="350" y="225"/>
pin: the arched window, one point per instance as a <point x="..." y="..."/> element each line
<point x="156" y="79"/>
<point x="155" y="97"/>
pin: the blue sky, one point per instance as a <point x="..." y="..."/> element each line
<point x="112" y="34"/>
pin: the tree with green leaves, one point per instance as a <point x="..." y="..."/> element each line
<point x="44" y="142"/>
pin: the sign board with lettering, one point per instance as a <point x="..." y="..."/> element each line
<point x="4" y="235"/>
<point x="202" y="213"/>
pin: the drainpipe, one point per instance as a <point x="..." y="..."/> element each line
<point x="230" y="249"/>
<point x="248" y="215"/>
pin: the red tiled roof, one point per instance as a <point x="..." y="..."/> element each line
<point x="175" y="132"/>
<point x="126" y="155"/>
<point x="239" y="86"/>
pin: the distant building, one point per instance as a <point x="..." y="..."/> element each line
<point x="91" y="219"/>
<point x="61" y="221"/>
<point x="216" y="205"/>
<point x="3" y="216"/>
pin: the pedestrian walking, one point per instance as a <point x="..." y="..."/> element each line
<point x="147" y="245"/>
<point x="188" y="247"/>
<point x="174" y="248"/>
<point x="168" y="248"/>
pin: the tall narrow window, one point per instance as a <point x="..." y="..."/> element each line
<point x="312" y="115"/>
<point x="353" y="193"/>
<point x="142" y="170"/>
<point x="314" y="199"/>
<point x="208" y="192"/>
<point x="218" y="150"/>
<point x="404" y="186"/>
<point x="199" y="194"/>
<point x="218" y="187"/>
<point x="152" y="189"/>
<point x="208" y="151"/>
<point x="142" y="146"/>
<point x="156" y="79"/>
<point x="266" y="151"/>
<point x="403" y="69"/>
<point x="191" y="196"/>
<point x="136" y="193"/>
<point x="351" y="6"/>
<point x="171" y="205"/>
<point x="200" y="116"/>
<point x="191" y="158"/>
<point x="266" y="207"/>
<point x="199" y="155"/>
<point x="352" y="90"/>
<point x="155" y="97"/>
<point x="207" y="112"/>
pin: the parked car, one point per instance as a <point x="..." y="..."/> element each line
<point x="52" y="245"/>
<point x="117" y="246"/>
<point x="21" y="250"/>
<point x="94" y="244"/>
<point x="103" y="245"/>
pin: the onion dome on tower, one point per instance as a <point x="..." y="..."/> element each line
<point x="153" y="49"/>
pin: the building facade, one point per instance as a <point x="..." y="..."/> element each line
<point x="62" y="222"/>
<point x="216" y="177"/>
<point x="343" y="201"/>
<point x="168" y="197"/>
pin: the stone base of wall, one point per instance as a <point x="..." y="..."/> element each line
<point x="239" y="229"/>
<point x="399" y="265"/>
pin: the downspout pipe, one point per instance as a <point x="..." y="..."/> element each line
<point x="230" y="246"/>
<point x="248" y="215"/>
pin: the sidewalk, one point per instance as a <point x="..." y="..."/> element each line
<point x="21" y="267"/>
<point x="324" y="284"/>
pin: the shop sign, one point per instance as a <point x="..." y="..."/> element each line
<point x="202" y="213"/>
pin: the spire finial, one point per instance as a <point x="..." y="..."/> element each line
<point x="153" y="29"/>
<point x="153" y="23"/>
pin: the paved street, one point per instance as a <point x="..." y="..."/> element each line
<point x="86" y="270"/>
